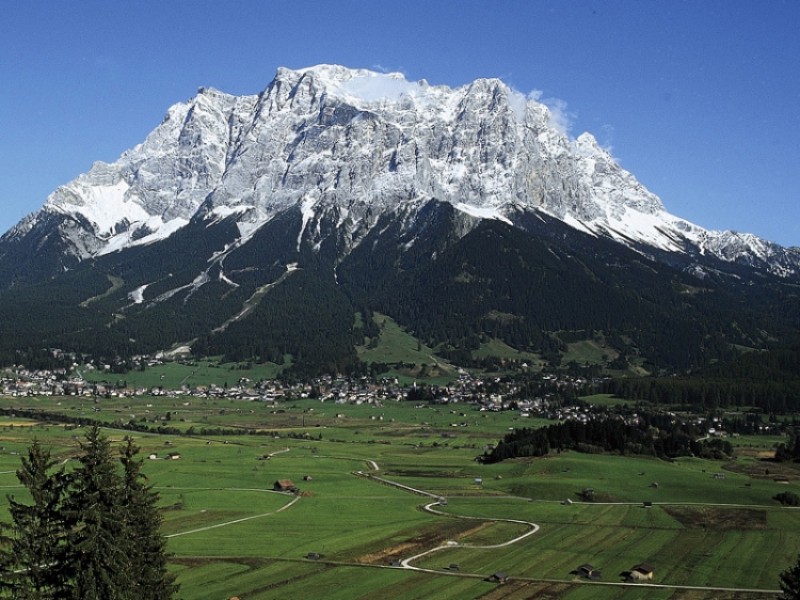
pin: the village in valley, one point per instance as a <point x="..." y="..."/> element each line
<point x="235" y="450"/>
<point x="557" y="398"/>
<point x="488" y="392"/>
<point x="547" y="396"/>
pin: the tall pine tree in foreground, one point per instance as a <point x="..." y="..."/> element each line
<point x="38" y="528"/>
<point x="143" y="522"/>
<point x="92" y="534"/>
<point x="96" y="558"/>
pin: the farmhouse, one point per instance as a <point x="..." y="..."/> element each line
<point x="588" y="571"/>
<point x="641" y="572"/>
<point x="285" y="485"/>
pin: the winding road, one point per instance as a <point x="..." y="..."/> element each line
<point x="438" y="501"/>
<point x="407" y="563"/>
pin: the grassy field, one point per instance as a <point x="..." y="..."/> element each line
<point x="395" y="345"/>
<point x="172" y="375"/>
<point x="587" y="352"/>
<point x="344" y="534"/>
<point x="502" y="350"/>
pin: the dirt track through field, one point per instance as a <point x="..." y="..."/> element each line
<point x="225" y="524"/>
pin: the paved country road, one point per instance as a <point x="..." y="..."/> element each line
<point x="534" y="528"/>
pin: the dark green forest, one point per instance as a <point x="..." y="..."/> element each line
<point x="531" y="288"/>
<point x="768" y="380"/>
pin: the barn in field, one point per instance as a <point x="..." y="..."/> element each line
<point x="285" y="485"/>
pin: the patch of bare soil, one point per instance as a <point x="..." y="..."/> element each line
<point x="766" y="469"/>
<point x="527" y="590"/>
<point x="483" y="525"/>
<point x="718" y="518"/>
<point x="419" y="541"/>
<point x="199" y="561"/>
<point x="387" y="555"/>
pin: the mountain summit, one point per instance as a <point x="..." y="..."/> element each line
<point x="274" y="225"/>
<point x="354" y="144"/>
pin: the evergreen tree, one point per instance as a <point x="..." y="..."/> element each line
<point x="38" y="528"/>
<point x="97" y="559"/>
<point x="790" y="582"/>
<point x="790" y="450"/>
<point x="7" y="563"/>
<point x="143" y="521"/>
<point x="89" y="535"/>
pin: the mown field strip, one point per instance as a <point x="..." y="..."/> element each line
<point x="242" y="520"/>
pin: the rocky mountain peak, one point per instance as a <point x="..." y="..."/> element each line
<point x="357" y="143"/>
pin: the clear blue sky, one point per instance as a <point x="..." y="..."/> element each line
<point x="700" y="99"/>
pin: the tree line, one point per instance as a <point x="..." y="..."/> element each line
<point x="650" y="434"/>
<point x="702" y="393"/>
<point x="92" y="533"/>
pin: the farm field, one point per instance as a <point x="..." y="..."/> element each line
<point x="712" y="531"/>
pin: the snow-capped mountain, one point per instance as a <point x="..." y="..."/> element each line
<point x="347" y="146"/>
<point x="278" y="227"/>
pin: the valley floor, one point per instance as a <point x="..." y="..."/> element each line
<point x="391" y="503"/>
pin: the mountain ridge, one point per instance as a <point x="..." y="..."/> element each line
<point x="363" y="141"/>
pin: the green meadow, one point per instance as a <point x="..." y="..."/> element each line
<point x="173" y="375"/>
<point x="710" y="529"/>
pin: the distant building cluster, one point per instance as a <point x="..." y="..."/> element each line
<point x="489" y="393"/>
<point x="545" y="396"/>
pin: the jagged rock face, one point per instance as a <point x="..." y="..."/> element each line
<point x="347" y="146"/>
<point x="353" y="139"/>
<point x="312" y="141"/>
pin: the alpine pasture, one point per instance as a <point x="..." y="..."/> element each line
<point x="522" y="527"/>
